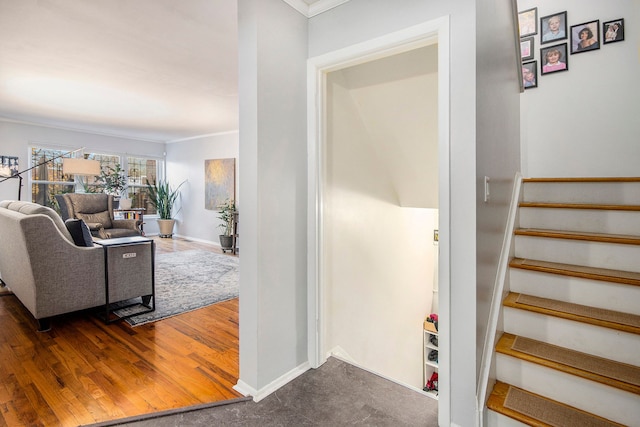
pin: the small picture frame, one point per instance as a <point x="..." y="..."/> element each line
<point x="553" y="27"/>
<point x="528" y="22"/>
<point x="530" y="74"/>
<point x="585" y="37"/>
<point x="554" y="59"/>
<point x="526" y="48"/>
<point x="613" y="31"/>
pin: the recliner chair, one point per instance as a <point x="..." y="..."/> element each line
<point x="96" y="210"/>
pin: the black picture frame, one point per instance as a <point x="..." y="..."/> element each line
<point x="547" y="65"/>
<point x="527" y="45"/>
<point x="528" y="22"/>
<point x="530" y="74"/>
<point x="592" y="31"/>
<point x="550" y="34"/>
<point x="618" y="33"/>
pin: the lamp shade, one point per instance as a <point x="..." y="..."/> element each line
<point x="81" y="167"/>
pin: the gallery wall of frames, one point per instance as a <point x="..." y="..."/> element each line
<point x="558" y="38"/>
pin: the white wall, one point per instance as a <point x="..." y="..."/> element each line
<point x="272" y="89"/>
<point x="15" y="139"/>
<point x="360" y="20"/>
<point x="185" y="162"/>
<point x="583" y="122"/>
<point x="379" y="256"/>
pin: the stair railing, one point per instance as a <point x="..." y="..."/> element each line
<point x="496" y="302"/>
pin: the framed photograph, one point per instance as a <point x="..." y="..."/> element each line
<point x="585" y="37"/>
<point x="554" y="59"/>
<point x="526" y="48"/>
<point x="553" y="27"/>
<point x="528" y="22"/>
<point x="530" y="74"/>
<point x="613" y="31"/>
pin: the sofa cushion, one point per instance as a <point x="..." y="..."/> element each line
<point x="79" y="232"/>
<point x="101" y="217"/>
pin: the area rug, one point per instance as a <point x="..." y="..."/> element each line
<point x="186" y="281"/>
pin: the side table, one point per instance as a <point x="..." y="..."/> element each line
<point x="129" y="267"/>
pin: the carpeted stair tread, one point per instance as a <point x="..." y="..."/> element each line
<point x="539" y="411"/>
<point x="593" y="273"/>
<point x="592" y="315"/>
<point x="575" y="235"/>
<point x="594" y="206"/>
<point x="615" y="374"/>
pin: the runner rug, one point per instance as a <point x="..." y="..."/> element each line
<point x="188" y="280"/>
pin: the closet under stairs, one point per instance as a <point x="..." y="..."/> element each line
<point x="570" y="351"/>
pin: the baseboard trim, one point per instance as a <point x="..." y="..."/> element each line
<point x="246" y="390"/>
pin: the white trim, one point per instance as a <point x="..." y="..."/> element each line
<point x="315" y="8"/>
<point x="71" y="129"/>
<point x="435" y="31"/>
<point x="189" y="138"/>
<point x="496" y="303"/>
<point x="246" y="390"/>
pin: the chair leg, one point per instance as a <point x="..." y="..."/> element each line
<point x="146" y="300"/>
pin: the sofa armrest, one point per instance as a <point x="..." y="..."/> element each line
<point x="131" y="224"/>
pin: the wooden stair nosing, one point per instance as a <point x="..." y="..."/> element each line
<point x="506" y="341"/>
<point x="606" y="275"/>
<point x="499" y="394"/>
<point x="511" y="301"/>
<point x="584" y="179"/>
<point x="582" y="236"/>
<point x="593" y="206"/>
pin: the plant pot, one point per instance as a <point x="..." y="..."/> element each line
<point x="166" y="227"/>
<point x="226" y="242"/>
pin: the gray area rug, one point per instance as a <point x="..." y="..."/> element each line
<point x="188" y="280"/>
<point x="335" y="394"/>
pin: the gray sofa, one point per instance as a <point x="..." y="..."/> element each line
<point x="48" y="273"/>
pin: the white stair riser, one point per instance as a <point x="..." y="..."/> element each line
<point x="583" y="220"/>
<point x="591" y="254"/>
<point x="614" y="193"/>
<point x="590" y="396"/>
<point x="594" y="293"/>
<point x="591" y="339"/>
<point x="495" y="419"/>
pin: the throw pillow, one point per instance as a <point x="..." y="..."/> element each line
<point x="102" y="217"/>
<point x="79" y="232"/>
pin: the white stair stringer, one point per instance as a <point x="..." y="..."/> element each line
<point x="576" y="290"/>
<point x="495" y="419"/>
<point x="609" y="193"/>
<point x="592" y="254"/>
<point x="599" y="399"/>
<point x="578" y="336"/>
<point x="584" y="220"/>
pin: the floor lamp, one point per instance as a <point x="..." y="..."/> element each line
<point x="84" y="167"/>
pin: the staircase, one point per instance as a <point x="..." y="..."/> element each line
<point x="570" y="351"/>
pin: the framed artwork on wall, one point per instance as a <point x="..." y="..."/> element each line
<point x="585" y="37"/>
<point x="553" y="27"/>
<point x="554" y="59"/>
<point x="528" y="22"/>
<point x="530" y="74"/>
<point x="219" y="182"/>
<point x="526" y="48"/>
<point x="613" y="31"/>
<point x="8" y="166"/>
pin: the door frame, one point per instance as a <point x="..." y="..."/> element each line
<point x="427" y="33"/>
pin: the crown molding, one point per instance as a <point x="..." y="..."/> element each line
<point x="314" y="9"/>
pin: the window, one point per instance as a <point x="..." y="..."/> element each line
<point x="48" y="179"/>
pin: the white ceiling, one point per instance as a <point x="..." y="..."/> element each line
<point x="158" y="70"/>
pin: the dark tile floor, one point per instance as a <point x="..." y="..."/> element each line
<point x="336" y="394"/>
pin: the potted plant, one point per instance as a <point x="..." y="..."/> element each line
<point x="226" y="212"/>
<point x="162" y="197"/>
<point x="113" y="181"/>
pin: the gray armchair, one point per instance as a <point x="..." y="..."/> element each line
<point x="96" y="210"/>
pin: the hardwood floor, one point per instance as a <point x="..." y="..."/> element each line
<point x="84" y="371"/>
